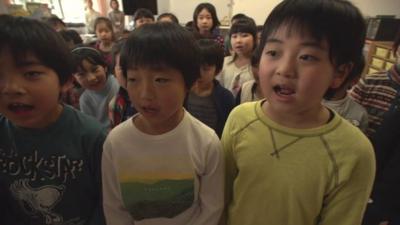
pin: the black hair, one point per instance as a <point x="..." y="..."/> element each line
<point x="255" y="60"/>
<point x="324" y="20"/>
<point x="114" y="1"/>
<point x="246" y="25"/>
<point x="108" y="24"/>
<point x="211" y="9"/>
<point x="169" y="15"/>
<point x="143" y="13"/>
<point x="92" y="55"/>
<point x="71" y="35"/>
<point x="211" y="53"/>
<point x="238" y="16"/>
<point x="22" y="36"/>
<point x="53" y="20"/>
<point x="162" y="44"/>
<point x="259" y="28"/>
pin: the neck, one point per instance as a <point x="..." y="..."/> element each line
<point x="158" y="128"/>
<point x="300" y="120"/>
<point x="203" y="89"/>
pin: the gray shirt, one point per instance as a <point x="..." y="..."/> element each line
<point x="203" y="108"/>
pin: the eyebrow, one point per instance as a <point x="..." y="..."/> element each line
<point x="313" y="44"/>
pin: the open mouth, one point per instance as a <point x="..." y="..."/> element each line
<point x="20" y="108"/>
<point x="150" y="110"/>
<point x="283" y="90"/>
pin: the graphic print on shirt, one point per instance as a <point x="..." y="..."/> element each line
<point x="40" y="200"/>
<point x="165" y="191"/>
<point x="28" y="173"/>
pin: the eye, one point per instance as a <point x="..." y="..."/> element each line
<point x="131" y="79"/>
<point x="271" y="53"/>
<point x="308" y="58"/>
<point x="161" y="80"/>
<point x="32" y="74"/>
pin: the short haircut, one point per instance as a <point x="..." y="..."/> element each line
<point x="211" y="9"/>
<point x="211" y="53"/>
<point x="238" y="16"/>
<point x="169" y="15"/>
<point x="161" y="45"/>
<point x="71" y="35"/>
<point x="22" y="36"/>
<point x="338" y="22"/>
<point x="53" y="20"/>
<point x="143" y="13"/>
<point x="92" y="55"/>
<point x="107" y="22"/>
<point x="114" y="1"/>
<point x="246" y="25"/>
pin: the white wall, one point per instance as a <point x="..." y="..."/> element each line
<point x="163" y="6"/>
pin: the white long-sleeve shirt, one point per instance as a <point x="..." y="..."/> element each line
<point x="171" y="179"/>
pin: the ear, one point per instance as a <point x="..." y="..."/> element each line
<point x="342" y="72"/>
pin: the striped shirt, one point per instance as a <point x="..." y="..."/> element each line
<point x="377" y="92"/>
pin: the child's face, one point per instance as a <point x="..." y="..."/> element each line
<point x="204" y="21"/>
<point x="29" y="93"/>
<point x="158" y="95"/>
<point x="242" y="43"/>
<point x="207" y="74"/>
<point x="141" y="21"/>
<point x="92" y="77"/>
<point x="118" y="72"/>
<point x="103" y="32"/>
<point x="295" y="72"/>
<point x="114" y="5"/>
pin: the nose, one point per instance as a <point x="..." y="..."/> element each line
<point x="91" y="77"/>
<point x="287" y="67"/>
<point x="11" y="86"/>
<point x="147" y="90"/>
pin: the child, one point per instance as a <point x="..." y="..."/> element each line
<point x="237" y="68"/>
<point x="167" y="17"/>
<point x="162" y="166"/>
<point x="100" y="88"/>
<point x="206" y="23"/>
<point x="346" y="106"/>
<point x="250" y="90"/>
<point x="90" y="16"/>
<point x="290" y="160"/>
<point x="385" y="204"/>
<point x="378" y="93"/>
<point x="120" y="107"/>
<point x="208" y="101"/>
<point x="117" y="18"/>
<point x="105" y="35"/>
<point x="143" y="16"/>
<point x="49" y="152"/>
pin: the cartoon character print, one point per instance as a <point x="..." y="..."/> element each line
<point x="40" y="200"/>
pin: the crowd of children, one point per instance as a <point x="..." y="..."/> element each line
<point x="143" y="129"/>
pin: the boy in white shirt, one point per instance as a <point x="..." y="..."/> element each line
<point x="162" y="166"/>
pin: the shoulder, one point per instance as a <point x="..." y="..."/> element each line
<point x="82" y="123"/>
<point x="198" y="131"/>
<point x="242" y="116"/>
<point x="221" y="91"/>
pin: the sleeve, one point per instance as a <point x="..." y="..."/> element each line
<point x="346" y="203"/>
<point x="95" y="158"/>
<point x="358" y="91"/>
<point x="230" y="165"/>
<point x="114" y="209"/>
<point x="211" y="193"/>
<point x="84" y="105"/>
